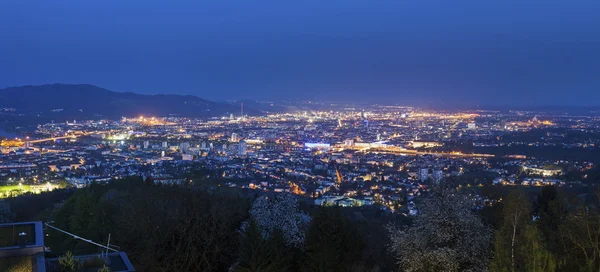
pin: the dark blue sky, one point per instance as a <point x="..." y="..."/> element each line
<point x="468" y="52"/>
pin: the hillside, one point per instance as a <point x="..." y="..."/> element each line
<point x="82" y="101"/>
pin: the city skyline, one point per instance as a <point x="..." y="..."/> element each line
<point x="299" y="136"/>
<point x="466" y="53"/>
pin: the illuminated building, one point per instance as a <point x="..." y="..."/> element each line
<point x="438" y="175"/>
<point x="242" y="148"/>
<point x="12" y="143"/>
<point x="320" y="146"/>
<point x="183" y="147"/>
<point x="543" y="172"/>
<point x="424" y="173"/>
<point x="419" y="144"/>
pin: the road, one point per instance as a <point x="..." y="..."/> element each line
<point x="395" y="149"/>
<point x="50" y="139"/>
<point x="66" y="137"/>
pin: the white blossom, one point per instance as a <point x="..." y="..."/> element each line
<point x="280" y="212"/>
<point x="446" y="236"/>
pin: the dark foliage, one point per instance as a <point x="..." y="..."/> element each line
<point x="333" y="243"/>
<point x="266" y="255"/>
<point x="161" y="228"/>
<point x="27" y="207"/>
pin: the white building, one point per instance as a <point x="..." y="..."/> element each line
<point x="183" y="147"/>
<point x="424" y="173"/>
<point x="242" y="148"/>
<point x="438" y="175"/>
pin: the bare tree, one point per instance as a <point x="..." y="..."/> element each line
<point x="581" y="233"/>
<point x="519" y="245"/>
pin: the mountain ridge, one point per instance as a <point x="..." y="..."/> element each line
<point x="68" y="101"/>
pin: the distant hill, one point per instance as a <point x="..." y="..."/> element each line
<point x="82" y="101"/>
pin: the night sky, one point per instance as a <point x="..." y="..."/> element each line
<point x="452" y="52"/>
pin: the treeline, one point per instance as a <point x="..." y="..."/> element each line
<point x="189" y="229"/>
<point x="30" y="206"/>
<point x="546" y="230"/>
<point x="553" y="231"/>
<point x="538" y="152"/>
<point x="164" y="228"/>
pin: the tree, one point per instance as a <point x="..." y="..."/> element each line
<point x="581" y="234"/>
<point x="63" y="184"/>
<point x="446" y="236"/>
<point x="260" y="254"/>
<point x="548" y="210"/>
<point x="517" y="212"/>
<point x="536" y="257"/>
<point x="161" y="228"/>
<point x="280" y="212"/>
<point x="518" y="244"/>
<point x="68" y="263"/>
<point x="333" y="243"/>
<point x="551" y="210"/>
<point x="185" y="230"/>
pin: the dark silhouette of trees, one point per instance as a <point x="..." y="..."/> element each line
<point x="260" y="254"/>
<point x="333" y="243"/>
<point x="161" y="228"/>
